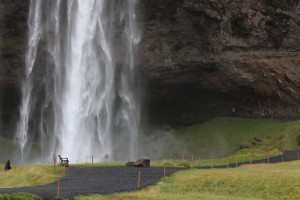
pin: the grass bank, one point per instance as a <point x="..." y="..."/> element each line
<point x="263" y="181"/>
<point x="28" y="176"/>
<point x="196" y="162"/>
<point x="19" y="196"/>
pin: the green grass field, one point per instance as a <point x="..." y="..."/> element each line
<point x="28" y="176"/>
<point x="263" y="181"/>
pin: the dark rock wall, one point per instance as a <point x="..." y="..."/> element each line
<point x="13" y="32"/>
<point x="206" y="58"/>
<point x="199" y="58"/>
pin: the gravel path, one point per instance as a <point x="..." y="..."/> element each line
<point x="108" y="180"/>
<point x="97" y="180"/>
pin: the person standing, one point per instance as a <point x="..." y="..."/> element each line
<point x="7" y="165"/>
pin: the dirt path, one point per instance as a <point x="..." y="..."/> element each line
<point x="97" y="180"/>
<point x="108" y="180"/>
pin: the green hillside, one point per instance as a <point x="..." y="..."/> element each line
<point x="223" y="136"/>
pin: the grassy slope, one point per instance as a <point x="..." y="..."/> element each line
<point x="288" y="137"/>
<point x="222" y="136"/>
<point x="27" y="176"/>
<point x="264" y="181"/>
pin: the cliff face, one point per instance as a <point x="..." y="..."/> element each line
<point x="221" y="57"/>
<point x="199" y="58"/>
<point x="13" y="32"/>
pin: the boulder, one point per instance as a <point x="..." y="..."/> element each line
<point x="142" y="163"/>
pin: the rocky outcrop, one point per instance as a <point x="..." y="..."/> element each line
<point x="208" y="58"/>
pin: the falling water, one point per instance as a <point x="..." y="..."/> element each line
<point x="80" y="94"/>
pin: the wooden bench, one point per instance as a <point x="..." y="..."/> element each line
<point x="64" y="161"/>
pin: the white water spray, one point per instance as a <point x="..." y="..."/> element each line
<point x="80" y="95"/>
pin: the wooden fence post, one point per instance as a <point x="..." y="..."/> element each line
<point x="192" y="161"/>
<point x="58" y="188"/>
<point x="54" y="162"/>
<point x="165" y="170"/>
<point x="139" y="179"/>
<point x="227" y="163"/>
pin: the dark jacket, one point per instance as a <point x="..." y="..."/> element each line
<point x="7" y="165"/>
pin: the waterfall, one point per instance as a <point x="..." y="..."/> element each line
<point x="80" y="94"/>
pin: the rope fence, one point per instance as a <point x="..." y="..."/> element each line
<point x="192" y="160"/>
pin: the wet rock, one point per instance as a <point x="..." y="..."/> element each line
<point x="201" y="58"/>
<point x="142" y="163"/>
